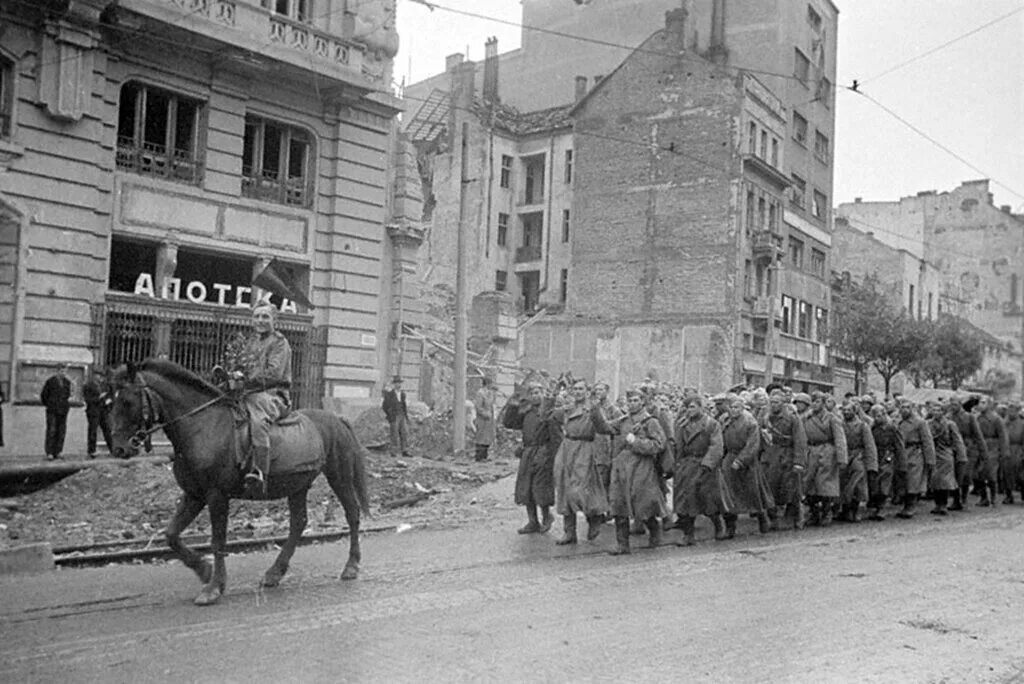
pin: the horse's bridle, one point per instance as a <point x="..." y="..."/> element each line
<point x="150" y="413"/>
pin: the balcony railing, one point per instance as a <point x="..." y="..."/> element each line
<point x="528" y="253"/>
<point x="765" y="245"/>
<point x="290" y="191"/>
<point x="150" y="159"/>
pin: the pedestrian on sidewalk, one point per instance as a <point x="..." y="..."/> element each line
<point x="96" y="396"/>
<point x="397" y="413"/>
<point x="542" y="434"/>
<point x="56" y="397"/>
<point x="484" y="428"/>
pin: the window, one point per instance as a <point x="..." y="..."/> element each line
<point x="752" y="138"/>
<point x="799" y="128"/>
<point x="748" y="279"/>
<point x="824" y="95"/>
<point x="158" y="134"/>
<point x="801" y="66"/>
<point x="501" y="281"/>
<point x="804" y="320"/>
<point x="6" y="97"/>
<point x="821" y="148"/>
<point x="819" y="206"/>
<point x="818" y="263"/>
<point x="299" y="10"/>
<point x="751" y="215"/>
<point x="910" y="301"/>
<point x="762" y="216"/>
<point x="502" y="230"/>
<point x="764" y="145"/>
<point x="276" y="162"/>
<point x="813" y="18"/>
<point x="506" y="171"/>
<point x="773" y="217"/>
<point x="563" y="286"/>
<point x="775" y="151"/>
<point x="799" y="191"/>
<point x="821" y="324"/>
<point x="565" y="225"/>
<point x="787" y="314"/>
<point x="931" y="302"/>
<point x="568" y="167"/>
<point x="796" y="252"/>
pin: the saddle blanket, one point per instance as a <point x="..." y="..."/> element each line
<point x="295" y="446"/>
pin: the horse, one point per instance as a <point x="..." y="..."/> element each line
<point x="200" y="421"/>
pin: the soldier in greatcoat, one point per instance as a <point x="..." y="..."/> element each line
<point x="993" y="431"/>
<point x="784" y="459"/>
<point x="542" y="433"/>
<point x="977" y="450"/>
<point x="1013" y="477"/>
<point x="949" y="448"/>
<point x="578" y="485"/>
<point x="919" y="452"/>
<point x="636" y="491"/>
<point x="889" y="447"/>
<point x="863" y="461"/>
<point x="745" y="483"/>
<point x="826" y="456"/>
<point x="698" y="459"/>
<point x="603" y="447"/>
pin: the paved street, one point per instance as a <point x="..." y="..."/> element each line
<point x="928" y="600"/>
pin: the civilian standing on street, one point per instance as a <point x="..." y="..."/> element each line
<point x="94" y="393"/>
<point x="578" y="485"/>
<point x="484" y="423"/>
<point x="56" y="397"/>
<point x="397" y="413"/>
<point x="542" y="433"/>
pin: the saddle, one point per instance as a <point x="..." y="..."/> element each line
<point x="295" y="443"/>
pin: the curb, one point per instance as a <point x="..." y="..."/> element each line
<point x="34" y="558"/>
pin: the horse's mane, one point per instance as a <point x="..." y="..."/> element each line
<point x="179" y="374"/>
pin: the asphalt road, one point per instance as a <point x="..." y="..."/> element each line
<point x="928" y="600"/>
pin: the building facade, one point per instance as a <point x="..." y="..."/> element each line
<point x="168" y="163"/>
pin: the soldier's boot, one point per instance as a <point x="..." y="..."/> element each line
<point x="730" y="526"/>
<point x="720" y="533"/>
<point x="533" y="526"/>
<point x="957" y="501"/>
<point x="909" y="503"/>
<point x="993" y="489"/>
<point x="826" y="512"/>
<point x="687" y="524"/>
<point x="854" y="512"/>
<point x="594" y="523"/>
<point x="941" y="498"/>
<point x="256" y="478"/>
<point x="1008" y="499"/>
<point x="637" y="528"/>
<point x="799" y="520"/>
<point x="547" y="520"/>
<point x="569" y="525"/>
<point x="621" y="537"/>
<point x="981" y="489"/>
<point x="655" y="532"/>
<point x="762" y="523"/>
<point x="667" y="523"/>
<point x="773" y="519"/>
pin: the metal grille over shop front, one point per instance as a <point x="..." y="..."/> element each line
<point x="196" y="337"/>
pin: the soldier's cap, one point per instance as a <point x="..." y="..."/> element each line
<point x="634" y="392"/>
<point x="721" y="396"/>
<point x="867" y="399"/>
<point x="802" y="398"/>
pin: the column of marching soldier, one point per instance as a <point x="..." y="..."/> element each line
<point x="659" y="458"/>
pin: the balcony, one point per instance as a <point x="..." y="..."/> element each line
<point x="262" y="37"/>
<point x="528" y="253"/>
<point x="765" y="245"/>
<point x="763" y="307"/>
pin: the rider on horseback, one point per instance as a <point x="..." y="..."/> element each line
<point x="265" y="377"/>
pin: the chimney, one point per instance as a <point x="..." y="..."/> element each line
<point x="858" y="200"/>
<point x="675" y="28"/>
<point x="581" y="87"/>
<point x="463" y="84"/>
<point x="717" y="51"/>
<point x="453" y="60"/>
<point x="490" y="89"/>
<point x="1006" y="209"/>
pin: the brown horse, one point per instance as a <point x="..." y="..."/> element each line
<point x="199" y="419"/>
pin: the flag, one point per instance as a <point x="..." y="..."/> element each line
<point x="281" y="279"/>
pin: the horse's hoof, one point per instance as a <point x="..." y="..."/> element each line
<point x="271" y="579"/>
<point x="205" y="572"/>
<point x="208" y="596"/>
<point x="350" y="572"/>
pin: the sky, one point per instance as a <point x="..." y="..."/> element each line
<point x="969" y="96"/>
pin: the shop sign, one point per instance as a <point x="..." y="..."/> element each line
<point x="197" y="292"/>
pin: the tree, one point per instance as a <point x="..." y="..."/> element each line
<point x="863" y="315"/>
<point x="898" y="345"/>
<point x="961" y="349"/>
<point x="928" y="364"/>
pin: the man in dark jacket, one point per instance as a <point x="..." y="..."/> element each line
<point x="397" y="413"/>
<point x="542" y="434"/>
<point x="94" y="393"/>
<point x="56" y="397"/>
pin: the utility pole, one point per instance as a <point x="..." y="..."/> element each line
<point x="461" y="305"/>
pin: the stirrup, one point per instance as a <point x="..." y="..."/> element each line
<point x="254" y="481"/>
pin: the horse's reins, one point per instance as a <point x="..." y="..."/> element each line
<point x="149" y="414"/>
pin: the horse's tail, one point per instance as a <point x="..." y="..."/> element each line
<point x="359" y="481"/>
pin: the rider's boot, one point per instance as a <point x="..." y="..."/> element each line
<point x="256" y="479"/>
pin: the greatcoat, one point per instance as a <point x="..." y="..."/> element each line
<point x="788" y="449"/>
<point x="635" y="485"/>
<point x="919" y="453"/>
<point x="542" y="433"/>
<point x="826" y="453"/>
<point x="977" y="450"/>
<point x="863" y="459"/>
<point x="578" y="485"/>
<point x="746" y="486"/>
<point x="698" y="458"/>
<point x="949" y="449"/>
<point x="993" y="430"/>
<point x="889" y="445"/>
<point x="1013" y="476"/>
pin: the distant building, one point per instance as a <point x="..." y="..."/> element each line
<point x="160" y="156"/>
